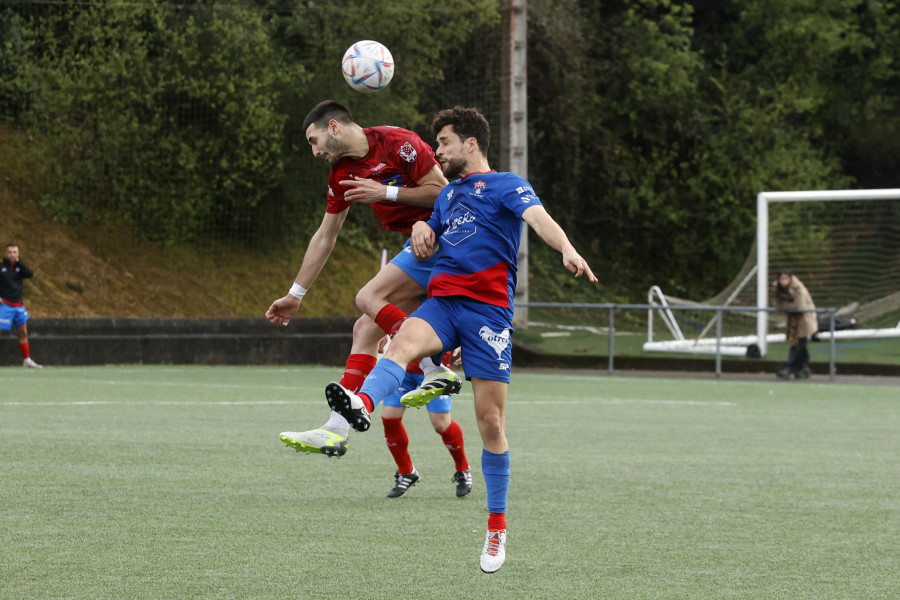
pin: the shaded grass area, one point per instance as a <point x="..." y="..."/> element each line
<point x="170" y="482"/>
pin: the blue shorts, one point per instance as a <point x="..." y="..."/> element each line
<point x="420" y="271"/>
<point x="441" y="404"/>
<point x="12" y="316"/>
<point x="482" y="331"/>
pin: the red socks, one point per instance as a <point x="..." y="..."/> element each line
<point x="23" y="348"/>
<point x="497" y="521"/>
<point x="358" y="367"/>
<point x="370" y="406"/>
<point x="390" y="318"/>
<point x="398" y="444"/>
<point x="453" y="440"/>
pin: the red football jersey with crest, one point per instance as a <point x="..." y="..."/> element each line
<point x="396" y="157"/>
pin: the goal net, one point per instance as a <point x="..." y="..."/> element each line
<point x="843" y="245"/>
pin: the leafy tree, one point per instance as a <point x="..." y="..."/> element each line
<point x="672" y="132"/>
<point x="653" y="124"/>
<point x="162" y="115"/>
<point x="425" y="37"/>
<point x="15" y="94"/>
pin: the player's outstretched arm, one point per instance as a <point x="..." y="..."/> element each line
<point x="549" y="230"/>
<point x="320" y="247"/>
<point x="367" y="191"/>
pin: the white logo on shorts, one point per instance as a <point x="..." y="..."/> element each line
<point x="497" y="341"/>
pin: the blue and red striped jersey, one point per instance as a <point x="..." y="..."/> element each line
<point x="478" y="222"/>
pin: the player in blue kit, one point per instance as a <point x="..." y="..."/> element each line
<point x="477" y="221"/>
<point x="398" y="442"/>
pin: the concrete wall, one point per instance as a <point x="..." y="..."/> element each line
<point x="182" y="341"/>
<point x="75" y="342"/>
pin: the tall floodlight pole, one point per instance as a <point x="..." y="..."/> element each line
<point x="514" y="125"/>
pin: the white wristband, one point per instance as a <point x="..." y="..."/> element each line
<point x="297" y="291"/>
<point x="391" y="192"/>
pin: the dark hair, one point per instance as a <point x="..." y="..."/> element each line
<point x="789" y="274"/>
<point x="12" y="245"/>
<point x="466" y="123"/>
<point x="325" y="111"/>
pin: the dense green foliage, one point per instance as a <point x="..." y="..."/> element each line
<point x="676" y="114"/>
<point x="165" y="118"/>
<point x="652" y="123"/>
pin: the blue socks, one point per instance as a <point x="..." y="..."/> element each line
<point x="495" y="468"/>
<point x="383" y="381"/>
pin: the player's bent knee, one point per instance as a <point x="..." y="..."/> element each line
<point x="441" y="424"/>
<point x="368" y="302"/>
<point x="491" y="431"/>
<point x="365" y="327"/>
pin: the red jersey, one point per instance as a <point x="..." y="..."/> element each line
<point x="396" y="157"/>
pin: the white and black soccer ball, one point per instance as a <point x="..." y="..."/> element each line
<point x="368" y="66"/>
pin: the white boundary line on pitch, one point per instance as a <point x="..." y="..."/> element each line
<point x="547" y="400"/>
<point x="236" y="386"/>
<point x="161" y="402"/>
<point x="569" y="400"/>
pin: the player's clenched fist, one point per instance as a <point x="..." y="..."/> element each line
<point x="282" y="310"/>
<point x="422" y="241"/>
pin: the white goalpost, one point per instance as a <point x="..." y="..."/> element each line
<point x="843" y="244"/>
<point x="763" y="200"/>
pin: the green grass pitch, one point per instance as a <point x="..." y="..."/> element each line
<point x="170" y="482"/>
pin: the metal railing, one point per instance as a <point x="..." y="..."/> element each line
<point x="719" y="310"/>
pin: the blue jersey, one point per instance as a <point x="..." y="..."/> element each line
<point x="478" y="221"/>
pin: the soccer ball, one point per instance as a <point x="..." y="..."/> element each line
<point x="367" y="66"/>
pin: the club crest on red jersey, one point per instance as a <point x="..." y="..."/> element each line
<point x="407" y="152"/>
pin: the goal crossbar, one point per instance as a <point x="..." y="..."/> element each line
<point x="763" y="199"/>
